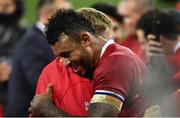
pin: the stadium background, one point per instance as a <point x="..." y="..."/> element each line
<point x="30" y="6"/>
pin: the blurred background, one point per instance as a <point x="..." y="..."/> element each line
<point x="30" y="6"/>
<point x="153" y="34"/>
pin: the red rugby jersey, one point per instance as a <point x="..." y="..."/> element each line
<point x="175" y="59"/>
<point x="176" y="78"/>
<point x="120" y="73"/>
<point x="133" y="44"/>
<point x="71" y="93"/>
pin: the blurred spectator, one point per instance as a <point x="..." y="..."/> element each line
<point x="163" y="53"/>
<point x="30" y="57"/>
<point x="168" y="44"/>
<point x="116" y="18"/>
<point x="176" y="15"/>
<point x="141" y="38"/>
<point x="178" y="6"/>
<point x="62" y="4"/>
<point x="1" y="111"/>
<point x="131" y="10"/>
<point x="11" y="12"/>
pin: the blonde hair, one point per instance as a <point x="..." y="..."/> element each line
<point x="100" y="21"/>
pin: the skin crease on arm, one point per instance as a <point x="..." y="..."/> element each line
<point x="42" y="105"/>
<point x="102" y="110"/>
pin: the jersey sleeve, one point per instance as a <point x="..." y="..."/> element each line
<point x="112" y="80"/>
<point x="78" y="97"/>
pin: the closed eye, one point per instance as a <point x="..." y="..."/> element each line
<point x="65" y="54"/>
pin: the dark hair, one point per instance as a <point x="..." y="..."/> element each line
<point x="42" y="3"/>
<point x="13" y="18"/>
<point x="19" y="8"/>
<point x="176" y="16"/>
<point x="167" y="26"/>
<point x="109" y="10"/>
<point x="67" y="22"/>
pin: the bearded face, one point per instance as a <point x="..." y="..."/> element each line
<point x="10" y="11"/>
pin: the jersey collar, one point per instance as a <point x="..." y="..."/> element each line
<point x="109" y="42"/>
<point x="40" y="26"/>
<point x="177" y="47"/>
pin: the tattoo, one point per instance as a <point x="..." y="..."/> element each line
<point x="49" y="109"/>
<point x="102" y="110"/>
<point x="95" y="109"/>
<point x="45" y="107"/>
<point x="53" y="111"/>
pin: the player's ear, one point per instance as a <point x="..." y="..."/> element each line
<point x="56" y="48"/>
<point x="85" y="39"/>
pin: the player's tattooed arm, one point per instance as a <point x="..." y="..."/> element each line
<point x="45" y="108"/>
<point x="102" y="109"/>
<point x="42" y="105"/>
<point x="48" y="109"/>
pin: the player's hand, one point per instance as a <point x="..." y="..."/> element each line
<point x="5" y="72"/>
<point x="40" y="103"/>
<point x="154" y="47"/>
<point x="153" y="111"/>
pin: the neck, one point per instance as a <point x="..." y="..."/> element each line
<point x="97" y="50"/>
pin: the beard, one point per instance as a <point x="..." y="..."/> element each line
<point x="89" y="70"/>
<point x="13" y="18"/>
<point x="8" y="19"/>
<point x="86" y="63"/>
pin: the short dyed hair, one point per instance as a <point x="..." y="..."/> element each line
<point x="100" y="21"/>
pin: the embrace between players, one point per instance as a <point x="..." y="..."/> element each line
<point x="92" y="75"/>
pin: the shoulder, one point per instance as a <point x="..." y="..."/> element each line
<point x="116" y="55"/>
<point x="30" y="37"/>
<point x="119" y="62"/>
<point x="46" y="77"/>
<point x="51" y="66"/>
<point x="33" y="33"/>
<point x="33" y="42"/>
